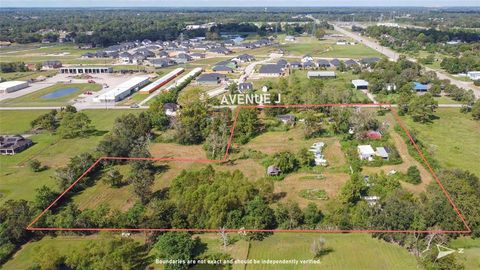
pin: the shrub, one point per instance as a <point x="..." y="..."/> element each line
<point x="35" y="165"/>
<point x="413" y="175"/>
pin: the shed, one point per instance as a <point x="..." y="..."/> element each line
<point x="360" y="84"/>
<point x="365" y="152"/>
<point x="273" y="170"/>
<point x="382" y="152"/>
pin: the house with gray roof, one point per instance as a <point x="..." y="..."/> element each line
<point x="271" y="70"/>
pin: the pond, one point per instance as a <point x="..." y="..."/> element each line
<point x="60" y="93"/>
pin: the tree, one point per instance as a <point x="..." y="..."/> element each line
<point x="320" y="33"/>
<point x="288" y="215"/>
<point x="74" y="125"/>
<point x="435" y="90"/>
<point x="192" y="123"/>
<point x="109" y="254"/>
<point x="46" y="121"/>
<point x="413" y="175"/>
<point x="247" y="125"/>
<point x="286" y="161"/>
<point x="48" y="258"/>
<point x="421" y="108"/>
<point x="318" y="247"/>
<point x="313" y="125"/>
<point x="219" y="132"/>
<point x="44" y="197"/>
<point x="259" y="216"/>
<point x="312" y="215"/>
<point x="352" y="191"/>
<point x="113" y="177"/>
<point x="476" y="110"/>
<point x="305" y="158"/>
<point x="35" y="165"/>
<point x="178" y="246"/>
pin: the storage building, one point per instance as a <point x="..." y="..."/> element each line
<point x="12" y="86"/>
<point x="123" y="90"/>
<point x="162" y="81"/>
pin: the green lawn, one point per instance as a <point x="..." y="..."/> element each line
<point x="317" y="48"/>
<point x="471" y="255"/>
<point x="347" y="251"/>
<point x="13" y="122"/>
<point x="453" y="138"/>
<point x="18" y="182"/>
<point x="36" y="98"/>
<point x="25" y="76"/>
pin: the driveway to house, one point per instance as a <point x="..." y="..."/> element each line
<point x="394" y="56"/>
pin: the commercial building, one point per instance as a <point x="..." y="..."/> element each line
<point x="123" y="90"/>
<point x="321" y="74"/>
<point x="190" y="75"/>
<point x="86" y="69"/>
<point x="12" y="86"/>
<point x="162" y="81"/>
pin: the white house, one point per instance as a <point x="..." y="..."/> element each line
<point x="360" y="84"/>
<point x="365" y="152"/>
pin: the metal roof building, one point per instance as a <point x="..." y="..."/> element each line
<point x="123" y="90"/>
<point x="12" y="86"/>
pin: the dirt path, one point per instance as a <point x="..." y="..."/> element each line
<point x="407" y="162"/>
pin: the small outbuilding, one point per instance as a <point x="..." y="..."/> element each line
<point x="365" y="152"/>
<point x="273" y="170"/>
<point x="360" y="84"/>
<point x="321" y="74"/>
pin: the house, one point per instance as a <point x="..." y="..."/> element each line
<point x="230" y="64"/>
<point x="244" y="58"/>
<point x="473" y="75"/>
<point x="271" y="70"/>
<point x="211" y="79"/>
<point x="420" y="87"/>
<point x="309" y="65"/>
<point x="286" y="118"/>
<point x="223" y="69"/>
<point x="335" y="62"/>
<point x="296" y="65"/>
<point x="374" y="135"/>
<point x="273" y="170"/>
<point x="350" y="63"/>
<point x="161" y="62"/>
<point x="10" y="145"/>
<point x="138" y="58"/>
<point x="368" y="61"/>
<point x="197" y="55"/>
<point x="220" y="50"/>
<point x="321" y="74"/>
<point x="382" y="152"/>
<point x="125" y="57"/>
<point x="307" y="58"/>
<point x="365" y="152"/>
<point x="323" y="63"/>
<point x="242" y="87"/>
<point x="87" y="55"/>
<point x="360" y="84"/>
<point x="145" y="52"/>
<point x="51" y="64"/>
<point x="182" y="58"/>
<point x="282" y="62"/>
<point x="170" y="109"/>
<point x="163" y="54"/>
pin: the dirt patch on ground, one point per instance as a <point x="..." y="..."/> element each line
<point x="293" y="184"/>
<point x="249" y="167"/>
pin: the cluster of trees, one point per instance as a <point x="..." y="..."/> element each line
<point x="460" y="64"/>
<point x="8" y="67"/>
<point x="67" y="122"/>
<point x="413" y="39"/>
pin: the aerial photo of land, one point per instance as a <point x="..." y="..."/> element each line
<point x="230" y="135"/>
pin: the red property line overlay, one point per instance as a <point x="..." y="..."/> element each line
<point x="467" y="229"/>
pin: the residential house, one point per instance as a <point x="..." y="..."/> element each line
<point x="323" y="63"/>
<point x="211" y="79"/>
<point x="369" y="61"/>
<point x="308" y="65"/>
<point x="222" y="69"/>
<point x="335" y="62"/>
<point x="271" y="70"/>
<point x="295" y="65"/>
<point x="420" y="87"/>
<point x="307" y="58"/>
<point x="125" y="57"/>
<point x="350" y="63"/>
<point x="243" y="87"/>
<point x="10" y="145"/>
<point x="244" y="58"/>
<point x="360" y="84"/>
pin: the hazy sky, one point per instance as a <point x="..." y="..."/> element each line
<point x="163" y="3"/>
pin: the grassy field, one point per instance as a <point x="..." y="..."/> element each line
<point x="346" y="251"/>
<point x="453" y="138"/>
<point x="36" y="98"/>
<point x="18" y="182"/>
<point x="14" y="122"/>
<point x="25" y="76"/>
<point x="471" y="255"/>
<point x="36" y="53"/>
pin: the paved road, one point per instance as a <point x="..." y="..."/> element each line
<point x="394" y="56"/>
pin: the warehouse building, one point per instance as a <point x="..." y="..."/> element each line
<point x="162" y="81"/>
<point x="123" y="90"/>
<point x="190" y="75"/>
<point x="12" y="86"/>
<point x="82" y="70"/>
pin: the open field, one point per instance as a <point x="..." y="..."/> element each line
<point x="25" y="76"/>
<point x="18" y="182"/>
<point x="37" y="53"/>
<point x="471" y="255"/>
<point x="453" y="139"/>
<point x="13" y="122"/>
<point x="38" y="98"/>
<point x="346" y="251"/>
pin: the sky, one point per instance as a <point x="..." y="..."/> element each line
<point x="205" y="3"/>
